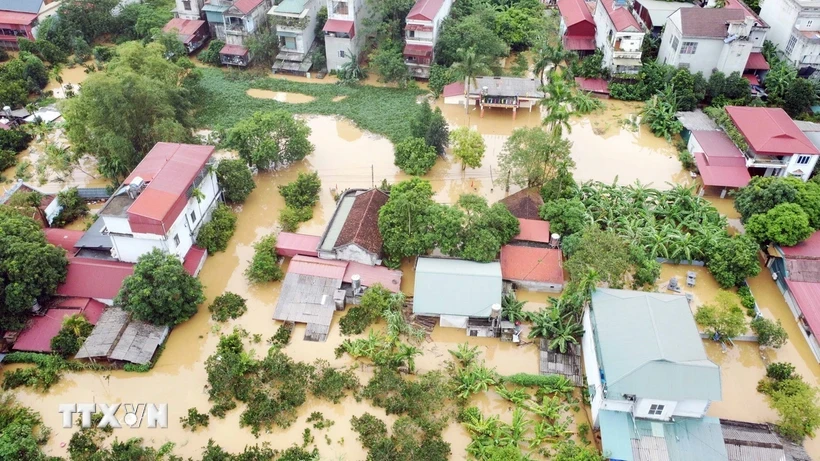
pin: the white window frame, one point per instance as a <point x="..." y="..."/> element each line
<point x="656" y="409"/>
<point x="689" y="48"/>
<point x="791" y="44"/>
<point x="675" y="43"/>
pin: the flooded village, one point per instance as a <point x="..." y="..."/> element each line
<point x="591" y="288"/>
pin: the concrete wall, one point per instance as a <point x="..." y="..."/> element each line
<point x="194" y="13"/>
<point x="357" y="254"/>
<point x="780" y="15"/>
<point x="691" y="408"/>
<point x="541" y="287"/>
<point x="591" y="369"/>
<point x="335" y="45"/>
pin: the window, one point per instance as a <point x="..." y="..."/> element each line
<point x="340" y="8"/>
<point x="186" y="5"/>
<point x="341" y="53"/>
<point x="176" y="239"/>
<point x="803" y="160"/>
<point x="689" y="48"/>
<point x="808" y="23"/>
<point x="287" y="43"/>
<point x="675" y="43"/>
<point x="411" y="33"/>
<point x="193" y="215"/>
<point x="790" y="45"/>
<point x="683" y="65"/>
<point x="655" y="410"/>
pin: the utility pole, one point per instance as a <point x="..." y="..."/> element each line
<point x="491" y="176"/>
<point x="372" y="177"/>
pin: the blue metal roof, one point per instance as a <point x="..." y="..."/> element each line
<point x="21" y="6"/>
<point x="456" y="287"/>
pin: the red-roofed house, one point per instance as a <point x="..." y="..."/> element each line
<point x="777" y="147"/>
<point x="532" y="232"/>
<point x="63" y="238"/>
<point x="163" y="202"/>
<point x="709" y="39"/>
<point x="345" y="19"/>
<point x="420" y="33"/>
<point x="193" y="33"/>
<point x="577" y="26"/>
<point x="94" y="278"/>
<point x="619" y="36"/>
<point x="233" y="22"/>
<point x="720" y="163"/>
<point x="353" y="232"/>
<point x="20" y="18"/>
<point x="290" y="244"/>
<point x="37" y="336"/>
<point x="797" y="271"/>
<point x="534" y="269"/>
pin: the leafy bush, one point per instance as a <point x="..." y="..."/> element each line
<point x="14" y="140"/>
<point x="227" y="305"/>
<point x="235" y="179"/>
<point x="263" y="267"/>
<point x="71" y="336"/>
<point x="794" y="400"/>
<point x="732" y="259"/>
<point x="440" y="77"/>
<point x="724" y="319"/>
<point x="194" y="420"/>
<point x="282" y="336"/>
<point x="375" y="301"/>
<point x="769" y="333"/>
<point x="290" y="217"/>
<point x="566" y="216"/>
<point x="215" y="234"/>
<point x="719" y="115"/>
<point x="687" y="160"/>
<point x="786" y="224"/>
<point x="23" y="431"/>
<point x="211" y="54"/>
<point x="414" y="156"/>
<point x="746" y="299"/>
<point x="332" y="384"/>
<point x="73" y="207"/>
<point x="780" y="371"/>
<point x="302" y="193"/>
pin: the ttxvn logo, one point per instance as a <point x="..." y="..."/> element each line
<point x="134" y="413"/>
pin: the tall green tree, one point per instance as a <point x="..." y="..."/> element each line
<point x="531" y="156"/>
<point x="604" y="252"/>
<point x="388" y="62"/>
<point x="477" y="31"/>
<point x="414" y="156"/>
<point x="469" y="66"/>
<point x="732" y="259"/>
<point x="785" y="224"/>
<point x="763" y="194"/>
<point x="799" y="97"/>
<point x="271" y="139"/>
<point x="406" y="220"/>
<point x="468" y="147"/>
<point x="160" y="291"/>
<point x="30" y="268"/>
<point x="235" y="179"/>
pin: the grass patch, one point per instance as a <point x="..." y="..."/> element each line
<point x="380" y="110"/>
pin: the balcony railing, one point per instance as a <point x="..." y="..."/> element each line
<point x="626" y="54"/>
<point x="292" y="23"/>
<point x="764" y="161"/>
<point x="419" y="39"/>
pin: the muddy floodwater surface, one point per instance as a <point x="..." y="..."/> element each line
<point x="293" y="98"/>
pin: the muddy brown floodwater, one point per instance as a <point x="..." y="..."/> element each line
<point x="293" y="98"/>
<point x="73" y="76"/>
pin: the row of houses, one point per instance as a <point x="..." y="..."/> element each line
<point x="161" y="205"/>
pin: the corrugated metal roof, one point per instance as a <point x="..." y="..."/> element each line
<point x="809" y="248"/>
<point x="807" y="295"/>
<point x="17" y="18"/>
<point x="337" y="221"/>
<point x="289" y="7"/>
<point x="102" y="339"/>
<point x="340" y="26"/>
<point x="595" y="85"/>
<point x="650" y="347"/>
<point x="37" y="337"/>
<point x="696" y="120"/>
<point x="770" y="130"/>
<point x="620" y="16"/>
<point x="521" y="263"/>
<point x="371" y="275"/>
<point x="425" y="10"/>
<point x="23" y="6"/>
<point x="246" y="6"/>
<point x="456" y="287"/>
<point x="722" y="175"/>
<point x="574" y="12"/>
<point x="507" y="86"/>
<point x="94" y="278"/>
<point x="139" y="342"/>
<point x="93" y="238"/>
<point x="194" y="259"/>
<point x="63" y="238"/>
<point x="533" y="230"/>
<point x="291" y="244"/>
<point x="306" y="265"/>
<point x="186" y="28"/>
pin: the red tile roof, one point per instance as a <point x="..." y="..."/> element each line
<point x="418" y="50"/>
<point x="707" y="22"/>
<point x="17" y="19"/>
<point x="37" y="337"/>
<point x="770" y="131"/>
<point x="574" y="43"/>
<point x="533" y="230"/>
<point x="169" y="169"/>
<point x="63" y="238"/>
<point x="246" y="6"/>
<point x="425" y="10"/>
<point x="807" y="249"/>
<point x="186" y="28"/>
<point x="752" y="78"/>
<point x="361" y="226"/>
<point x="524" y="204"/>
<point x="291" y="244"/>
<point x="453" y="89"/>
<point x="757" y="62"/>
<point x="575" y="12"/>
<point x="340" y="26"/>
<point x="371" y="275"/>
<point x="807" y="295"/>
<point x="722" y="175"/>
<point x="739" y="5"/>
<point x="595" y="85"/>
<point x="194" y="259"/>
<point x="621" y="18"/>
<point x="306" y="265"/>
<point x="91" y="308"/>
<point x="94" y="278"/>
<point x="234" y="50"/>
<point x="532" y="264"/>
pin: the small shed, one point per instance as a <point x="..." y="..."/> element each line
<point x="597" y="86"/>
<point x="524" y="204"/>
<point x="290" y="244"/>
<point x="37" y="336"/>
<point x="353" y="232"/>
<point x="720" y="162"/>
<point x="533" y="232"/>
<point x="453" y="93"/>
<point x="456" y="290"/>
<point x="117" y="337"/>
<point x="533" y="268"/>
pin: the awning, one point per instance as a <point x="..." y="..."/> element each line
<point x="757" y="62"/>
<point x="234" y="50"/>
<point x="595" y="85"/>
<point x="17" y="19"/>
<point x="340" y="27"/>
<point x="578" y="43"/>
<point x="418" y="27"/>
<point x="721" y="176"/>
<point x="628" y="62"/>
<point x="418" y="50"/>
<point x="752" y="78"/>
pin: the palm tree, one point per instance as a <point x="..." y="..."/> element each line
<point x="469" y="66"/>
<point x="558" y="94"/>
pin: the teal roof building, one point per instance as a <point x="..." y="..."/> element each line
<point x="456" y="287"/>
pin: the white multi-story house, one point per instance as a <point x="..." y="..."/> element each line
<point x="342" y="30"/>
<point x="295" y="21"/>
<point x="420" y="33"/>
<point x="709" y="39"/>
<point x="647" y="369"/>
<point x="233" y="22"/>
<point x="619" y="36"/>
<point x="777" y="146"/>
<point x="189" y="9"/>
<point x="795" y="31"/>
<point x="163" y="203"/>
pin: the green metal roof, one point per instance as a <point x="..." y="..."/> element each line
<point x="685" y="439"/>
<point x="290" y="7"/>
<point x="649" y="346"/>
<point x="456" y="287"/>
<point x="215" y="8"/>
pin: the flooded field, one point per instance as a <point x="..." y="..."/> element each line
<point x="293" y="98"/>
<point x="73" y="76"/>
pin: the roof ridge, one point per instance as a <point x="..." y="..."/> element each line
<point x="654" y="327"/>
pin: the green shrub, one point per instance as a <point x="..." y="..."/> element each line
<point x="769" y="333"/>
<point x="73" y="207"/>
<point x="687" y="160"/>
<point x="282" y="336"/>
<point x="71" y="336"/>
<point x="215" y="234"/>
<point x="290" y="218"/>
<point x="747" y="300"/>
<point x="302" y="193"/>
<point x="414" y="156"/>
<point x="264" y="266"/>
<point x="211" y="54"/>
<point x="8" y="158"/>
<point x="780" y="371"/>
<point x="227" y="305"/>
<point x="332" y="384"/>
<point x="195" y="420"/>
<point x="137" y="368"/>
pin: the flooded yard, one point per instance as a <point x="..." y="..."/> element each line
<point x="281" y="96"/>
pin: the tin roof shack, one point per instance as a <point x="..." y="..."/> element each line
<point x="533" y="233"/>
<point x="193" y="33"/>
<point x="505" y="93"/>
<point x="290" y="244"/>
<point x="117" y="337"/>
<point x="353" y="232"/>
<point x="758" y="442"/>
<point x="797" y="272"/>
<point x="524" y="204"/>
<point x="457" y="291"/>
<point x="646" y="367"/>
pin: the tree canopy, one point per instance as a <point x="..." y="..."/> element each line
<point x="235" y="179"/>
<point x="414" y="156"/>
<point x="271" y="139"/>
<point x="724" y="318"/>
<point x="531" y="156"/>
<point x="468" y="147"/>
<point x="160" y="291"/>
<point x="785" y="224"/>
<point x="30" y="267"/>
